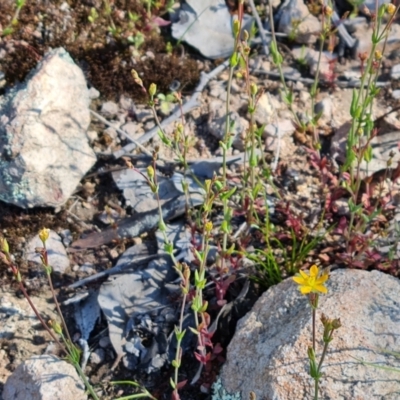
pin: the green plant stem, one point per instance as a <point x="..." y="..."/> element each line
<point x="314" y="314"/>
<point x="316" y="384"/>
<point x="324" y="351"/>
<point x="279" y="66"/>
<point x="27" y="297"/>
<point x="137" y="396"/>
<point x="314" y="91"/>
<point x="178" y="346"/>
<point x="85" y="381"/>
<point x="135" y="384"/>
<point x="60" y="314"/>
<point x="178" y="354"/>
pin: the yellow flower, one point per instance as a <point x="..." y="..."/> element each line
<point x="208" y="226"/>
<point x="312" y="282"/>
<point x="328" y="11"/>
<point x="44" y="235"/>
<point x="390" y="9"/>
<point x="378" y="55"/>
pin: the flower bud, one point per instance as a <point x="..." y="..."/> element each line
<point x="253" y="89"/>
<point x="150" y="172"/>
<point x="136" y="78"/>
<point x="328" y="11"/>
<point x="208" y="226"/>
<point x="390" y="9"/>
<point x="336" y="324"/>
<point x="152" y="89"/>
<point x="4" y="245"/>
<point x="179" y="128"/>
<point x="363" y="56"/>
<point x="56" y="327"/>
<point x="381" y="11"/>
<point x="186" y="272"/>
<point x="378" y="55"/>
<point x="44" y="235"/>
<point x="236" y="27"/>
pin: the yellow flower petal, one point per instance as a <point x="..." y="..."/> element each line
<point x="322" y="279"/>
<point x="314" y="271"/>
<point x="305" y="289"/>
<point x="304" y="274"/>
<point x="300" y="280"/>
<point x="321" y="288"/>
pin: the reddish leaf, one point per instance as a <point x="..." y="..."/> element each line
<point x="181" y="384"/>
<point x="160" y="21"/>
<point x="218" y="349"/>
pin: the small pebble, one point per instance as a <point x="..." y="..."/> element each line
<point x="87" y="268"/>
<point x="111" y="132"/>
<point x="109" y="109"/>
<point x="93" y="93"/>
<point x="137" y="240"/>
<point x="114" y="253"/>
<point x="97" y="356"/>
<point x="66" y="237"/>
<point x="104" y="342"/>
<point x="395" y="72"/>
<point x="92" y="135"/>
<point x="149" y="125"/>
<point x="396" y="94"/>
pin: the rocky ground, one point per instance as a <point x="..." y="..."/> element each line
<point x="82" y="189"/>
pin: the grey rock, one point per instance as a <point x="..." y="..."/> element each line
<point x="217" y="124"/>
<point x="291" y="73"/>
<point x="280" y="128"/>
<point x="43" y="142"/>
<point x="396" y="94"/>
<point x="44" y="378"/>
<point x="126" y="103"/>
<point x="109" y="109"/>
<point x="276" y="135"/>
<point x="93" y="93"/>
<point x="66" y="236"/>
<point x="308" y="29"/>
<point x="131" y="128"/>
<point x="271" y="341"/>
<point x="111" y="132"/>
<point x="86" y="314"/>
<point x="141" y="292"/>
<point x="87" y="268"/>
<point x="142" y="115"/>
<point x="207" y="26"/>
<point x="267" y="107"/>
<point x="218" y="90"/>
<point x="325" y="107"/>
<point x="395" y="72"/>
<point x="104" y="342"/>
<point x="57" y="254"/>
<point x="97" y="356"/>
<point x="93" y="136"/>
